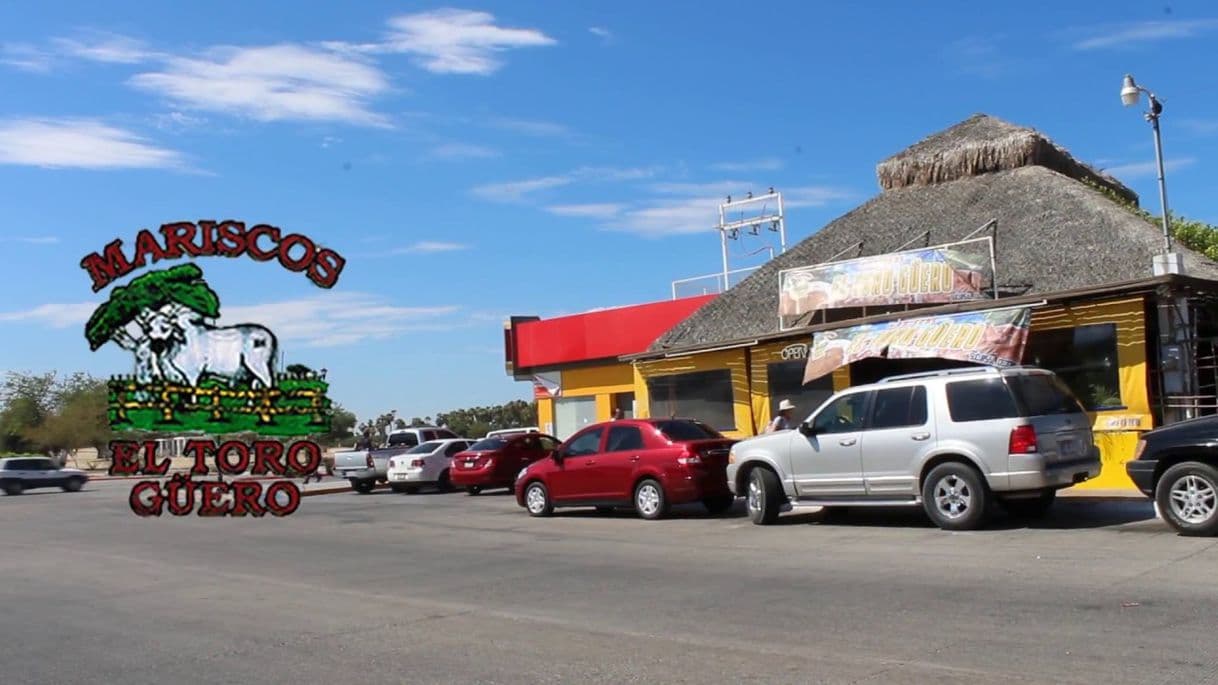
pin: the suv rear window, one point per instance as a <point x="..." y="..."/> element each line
<point x="1043" y="395"/>
<point x="403" y="439"/>
<point x="980" y="400"/>
<point x="678" y="431"/>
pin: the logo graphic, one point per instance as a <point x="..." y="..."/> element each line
<point x="193" y="376"/>
<point x="190" y="374"/>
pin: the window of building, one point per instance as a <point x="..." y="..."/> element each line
<point x="1085" y="358"/>
<point x="702" y="395"/>
<point x="786" y="380"/>
<point x="625" y="402"/>
<point x="572" y="414"/>
<point x="899" y="408"/>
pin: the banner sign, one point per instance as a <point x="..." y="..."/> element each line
<point x="935" y="275"/>
<point x="994" y="338"/>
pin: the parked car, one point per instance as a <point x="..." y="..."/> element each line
<point x="427" y="465"/>
<point x="648" y="464"/>
<point x="21" y="473"/>
<point x="1177" y="467"/>
<point x="365" y="468"/>
<point x="494" y="462"/>
<point x="954" y="442"/>
<point x="512" y="431"/>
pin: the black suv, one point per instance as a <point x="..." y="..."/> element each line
<point x="1177" y="466"/>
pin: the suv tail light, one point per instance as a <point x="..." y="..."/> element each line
<point x="1137" y="452"/>
<point x="1023" y="440"/>
<point x="368" y="461"/>
<point x="416" y="463"/>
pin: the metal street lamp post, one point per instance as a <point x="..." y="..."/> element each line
<point x="1130" y="94"/>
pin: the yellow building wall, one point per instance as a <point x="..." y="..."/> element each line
<point x="733" y="360"/>
<point x="601" y="382"/>
<point x="1116" y="431"/>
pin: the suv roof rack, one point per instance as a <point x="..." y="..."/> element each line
<point x="957" y="372"/>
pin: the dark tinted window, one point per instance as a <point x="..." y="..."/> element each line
<point x="424" y="448"/>
<point x="704" y="395"/>
<point x="843" y="415"/>
<point x="443" y="434"/>
<point x="1043" y="395"/>
<point x="44" y="465"/>
<point x="678" y="431"/>
<point x="623" y="438"/>
<point x="899" y="407"/>
<point x="980" y="400"/>
<point x="489" y="444"/>
<point x="585" y="443"/>
<point x="455" y="447"/>
<point x="786" y="381"/>
<point x="547" y="443"/>
<point x="400" y="439"/>
<point x="1084" y="357"/>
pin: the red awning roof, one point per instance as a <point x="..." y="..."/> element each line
<point x="603" y="334"/>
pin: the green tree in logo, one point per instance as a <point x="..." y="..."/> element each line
<point x="136" y="303"/>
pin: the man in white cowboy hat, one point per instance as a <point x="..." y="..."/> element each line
<point x="782" y="422"/>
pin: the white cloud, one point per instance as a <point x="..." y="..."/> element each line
<point x="177" y="121"/>
<point x="53" y="315"/>
<point x="530" y="127"/>
<point x="589" y="210"/>
<point x="455" y="151"/>
<point x="1126" y="35"/>
<point x="334" y="319"/>
<point x="79" y="143"/>
<point x="429" y="247"/>
<point x="105" y="47"/>
<point x="455" y="41"/>
<point x="767" y="164"/>
<point x="25" y="57"/>
<point x="978" y="56"/>
<point x="601" y="32"/>
<point x="696" y="207"/>
<point x="32" y="239"/>
<point x="272" y="83"/>
<point x="514" y="191"/>
<point x="1201" y="127"/>
<point x="720" y="189"/>
<point x="1144" y="169"/>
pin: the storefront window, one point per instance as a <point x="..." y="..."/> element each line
<point x="702" y="395"/>
<point x="1085" y="358"/>
<point x="572" y="414"/>
<point x="786" y="380"/>
<point x="625" y="402"/>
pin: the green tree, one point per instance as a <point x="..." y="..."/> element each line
<point x="25" y="403"/>
<point x="477" y="421"/>
<point x="181" y="285"/>
<point x="342" y="423"/>
<point x="78" y="418"/>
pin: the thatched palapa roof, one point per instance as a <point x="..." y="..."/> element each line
<point x="1060" y="226"/>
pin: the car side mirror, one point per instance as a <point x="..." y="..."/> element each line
<point x="807" y="428"/>
<point x="557" y="456"/>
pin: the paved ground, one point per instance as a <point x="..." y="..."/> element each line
<point x="456" y="589"/>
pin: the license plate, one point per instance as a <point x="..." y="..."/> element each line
<point x="470" y="464"/>
<point x="399" y="476"/>
<point x="1068" y="448"/>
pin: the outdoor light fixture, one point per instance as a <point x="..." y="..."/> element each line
<point x="1131" y="93"/>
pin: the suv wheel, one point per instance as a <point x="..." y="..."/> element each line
<point x="1187" y="498"/>
<point x="764" y="496"/>
<point x="73" y="484"/>
<point x="955" y="497"/>
<point x="472" y="490"/>
<point x="649" y="500"/>
<point x="1031" y="508"/>
<point x="12" y="487"/>
<point x="363" y="487"/>
<point x="537" y="500"/>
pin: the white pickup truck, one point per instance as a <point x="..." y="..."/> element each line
<point x="365" y="468"/>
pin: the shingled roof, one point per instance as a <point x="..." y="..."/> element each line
<point x="1058" y="225"/>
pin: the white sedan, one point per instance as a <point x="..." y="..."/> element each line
<point x="425" y="465"/>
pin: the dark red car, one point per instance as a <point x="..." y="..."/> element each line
<point x="494" y="462"/>
<point x="648" y="464"/>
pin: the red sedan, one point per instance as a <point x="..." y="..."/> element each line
<point x="495" y="461"/>
<point x="648" y="464"/>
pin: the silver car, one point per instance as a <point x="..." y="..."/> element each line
<point x="953" y="441"/>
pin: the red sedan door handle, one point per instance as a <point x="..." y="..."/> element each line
<point x="590" y="462"/>
<point x="634" y="458"/>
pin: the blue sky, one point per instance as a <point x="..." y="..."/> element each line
<point x="479" y="160"/>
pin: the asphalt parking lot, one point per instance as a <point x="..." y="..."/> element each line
<point x="457" y="589"/>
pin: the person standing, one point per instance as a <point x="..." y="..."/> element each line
<point x="784" y="420"/>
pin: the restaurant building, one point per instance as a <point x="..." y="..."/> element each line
<point x="988" y="243"/>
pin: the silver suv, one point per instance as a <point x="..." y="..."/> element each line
<point x="953" y="441"/>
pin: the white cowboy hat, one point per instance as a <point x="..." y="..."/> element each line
<point x="785" y="405"/>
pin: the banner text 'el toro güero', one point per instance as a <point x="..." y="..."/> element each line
<point x="994" y="338"/>
<point x="934" y="275"/>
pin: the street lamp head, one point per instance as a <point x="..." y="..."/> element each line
<point x="1129" y="92"/>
